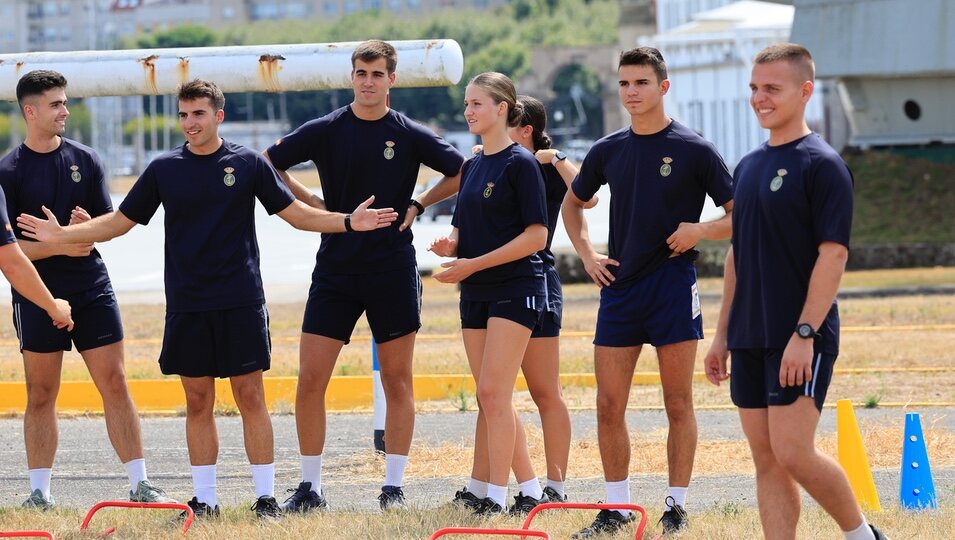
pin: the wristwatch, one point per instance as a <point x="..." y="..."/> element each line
<point x="418" y="206"/>
<point x="348" y="227"/>
<point x="559" y="156"/>
<point x="806" y="331"/>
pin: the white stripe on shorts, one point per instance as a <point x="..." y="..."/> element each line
<point x="810" y="386"/>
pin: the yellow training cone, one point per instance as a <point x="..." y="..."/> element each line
<point x="852" y="457"/>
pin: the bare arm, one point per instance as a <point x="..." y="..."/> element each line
<point x="688" y="235"/>
<point x="796" y="365"/>
<point x="576" y="226"/>
<point x="446" y="187"/>
<point x="565" y="168"/>
<point x="532" y="240"/>
<point x="100" y="229"/>
<point x="715" y="361"/>
<point x="21" y="274"/>
<point x="308" y="218"/>
<point x="43" y="250"/>
<point x="298" y="189"/>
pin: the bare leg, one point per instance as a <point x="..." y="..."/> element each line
<point x="613" y="367"/>
<point x="776" y="492"/>
<point x="106" y="366"/>
<point x="201" y="435"/>
<point x="42" y="373"/>
<point x="541" y="368"/>
<point x="249" y="394"/>
<point x="395" y="360"/>
<point x="317" y="356"/>
<point x="676" y="376"/>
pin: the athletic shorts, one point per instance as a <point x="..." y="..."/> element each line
<point x="754" y="379"/>
<point x="660" y="309"/>
<point x="95" y="316"/>
<point x="391" y="301"/>
<point x="218" y="343"/>
<point x="549" y="323"/>
<point x="524" y="311"/>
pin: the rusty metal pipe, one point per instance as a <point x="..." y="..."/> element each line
<point x="249" y="68"/>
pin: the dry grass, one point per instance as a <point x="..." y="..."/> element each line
<point x="722" y="521"/>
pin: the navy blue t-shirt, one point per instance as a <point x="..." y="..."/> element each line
<point x="356" y="159"/>
<point x="556" y="189"/>
<point x="789" y="199"/>
<point x="212" y="256"/>
<point x="656" y="182"/>
<point x="70" y="176"/>
<point x="501" y="195"/>
<point x="6" y="228"/>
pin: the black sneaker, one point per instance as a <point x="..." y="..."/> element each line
<point x="304" y="499"/>
<point x="266" y="508"/>
<point x="878" y="534"/>
<point x="200" y="510"/>
<point x="466" y="499"/>
<point x="674" y="519"/>
<point x="551" y="495"/>
<point x="391" y="498"/>
<point x="488" y="507"/>
<point x="525" y="503"/>
<point x="607" y="522"/>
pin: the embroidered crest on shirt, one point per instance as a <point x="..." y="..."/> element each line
<point x="666" y="169"/>
<point x="75" y="175"/>
<point x="229" y="178"/>
<point x="389" y="149"/>
<point x="488" y="189"/>
<point x="778" y="180"/>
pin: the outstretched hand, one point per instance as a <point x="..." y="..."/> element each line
<point x="79" y="215"/>
<point x="444" y="247"/>
<point x="42" y="230"/>
<point x="456" y="271"/>
<point x="367" y="219"/>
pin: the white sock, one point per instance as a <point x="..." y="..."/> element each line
<point x="40" y="479"/>
<point x="136" y="471"/>
<point x="312" y="472"/>
<point x="619" y="492"/>
<point x="263" y="476"/>
<point x="531" y="488"/>
<point x="679" y="497"/>
<point x="862" y="532"/>
<point x="497" y="494"/>
<point x="395" y="469"/>
<point x="556" y="486"/>
<point x="477" y="488"/>
<point x="204" y="482"/>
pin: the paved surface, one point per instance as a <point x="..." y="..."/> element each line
<point x="87" y="470"/>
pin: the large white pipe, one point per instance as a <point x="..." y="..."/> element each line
<point x="248" y="68"/>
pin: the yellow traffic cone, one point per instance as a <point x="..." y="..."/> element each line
<point x="852" y="457"/>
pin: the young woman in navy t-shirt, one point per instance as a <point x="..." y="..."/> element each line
<point x="500" y="224"/>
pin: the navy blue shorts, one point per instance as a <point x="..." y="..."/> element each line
<point x="524" y="311"/>
<point x="219" y="343"/>
<point x="95" y="314"/>
<point x="660" y="309"/>
<point x="391" y="301"/>
<point x="549" y="323"/>
<point x="754" y="379"/>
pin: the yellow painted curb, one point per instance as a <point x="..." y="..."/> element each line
<point x="345" y="393"/>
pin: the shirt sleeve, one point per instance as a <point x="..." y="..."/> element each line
<point x="590" y="177"/>
<point x="100" y="202"/>
<point x="271" y="191"/>
<point x="717" y="181"/>
<point x="437" y="153"/>
<point x="8" y="190"/>
<point x="529" y="185"/>
<point x="464" y="167"/>
<point x="297" y="146"/>
<point x="6" y="228"/>
<point x="143" y="198"/>
<point x="830" y="197"/>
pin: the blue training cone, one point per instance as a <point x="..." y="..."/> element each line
<point x="917" y="489"/>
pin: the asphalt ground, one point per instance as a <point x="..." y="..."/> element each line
<point x="88" y="471"/>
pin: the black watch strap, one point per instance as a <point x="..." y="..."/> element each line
<point x="348" y="223"/>
<point x="418" y="206"/>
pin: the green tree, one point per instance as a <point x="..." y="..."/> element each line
<point x="187" y="35"/>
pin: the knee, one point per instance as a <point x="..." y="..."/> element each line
<point x="611" y="407"/>
<point x="200" y="403"/>
<point x="42" y="395"/>
<point x="249" y="396"/>
<point x="548" y="399"/>
<point x="114" y="387"/>
<point x="679" y="409"/>
<point x="492" y="401"/>
<point x="791" y="457"/>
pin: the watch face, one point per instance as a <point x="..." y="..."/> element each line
<point x="804" y="330"/>
<point x="560" y="156"/>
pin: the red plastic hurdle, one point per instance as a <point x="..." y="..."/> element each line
<point x="499" y="532"/>
<point x="126" y="504"/>
<point x="26" y="534"/>
<point x="590" y="506"/>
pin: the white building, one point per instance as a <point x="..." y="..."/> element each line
<point x="709" y="60"/>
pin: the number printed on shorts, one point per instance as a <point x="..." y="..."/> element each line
<point x="696" y="309"/>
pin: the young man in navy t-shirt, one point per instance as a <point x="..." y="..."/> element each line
<point x="49" y="169"/>
<point x="216" y="321"/>
<point x="659" y="173"/>
<point x="779" y="317"/>
<point x="361" y="149"/>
